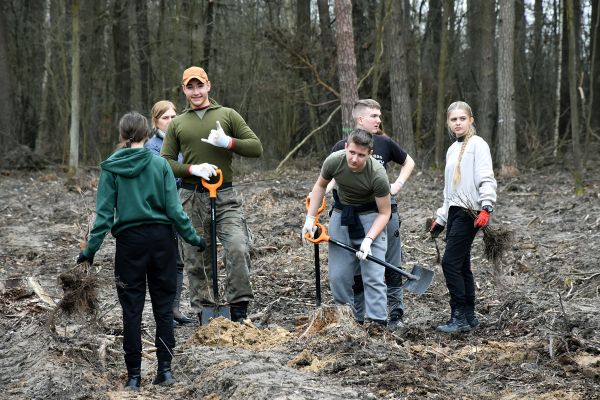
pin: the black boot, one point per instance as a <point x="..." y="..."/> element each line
<point x="458" y="322"/>
<point x="471" y="317"/>
<point x="239" y="311"/>
<point x="164" y="376"/>
<point x="134" y="378"/>
<point x="396" y="319"/>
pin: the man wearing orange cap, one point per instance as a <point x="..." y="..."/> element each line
<point x="208" y="134"/>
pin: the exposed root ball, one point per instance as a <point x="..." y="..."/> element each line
<point x="496" y="241"/>
<point x="80" y="287"/>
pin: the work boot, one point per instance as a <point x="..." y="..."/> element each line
<point x="134" y="378"/>
<point x="181" y="319"/>
<point x="471" y="317"/>
<point x="239" y="311"/>
<point x="396" y="319"/>
<point x="164" y="376"/>
<point x="458" y="322"/>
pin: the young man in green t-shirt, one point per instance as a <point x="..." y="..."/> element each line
<point x="359" y="218"/>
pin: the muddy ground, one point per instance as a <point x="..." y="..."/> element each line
<point x="539" y="337"/>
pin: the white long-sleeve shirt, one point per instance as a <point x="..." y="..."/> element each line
<point x="477" y="186"/>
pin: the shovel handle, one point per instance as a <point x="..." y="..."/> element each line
<point x="324" y="237"/>
<point x="212" y="187"/>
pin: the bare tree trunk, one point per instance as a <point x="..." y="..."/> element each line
<point x="42" y="134"/>
<point x="208" y="36"/>
<point x="507" y="150"/>
<point x="325" y="25"/>
<point x="144" y="55"/>
<point x="121" y="55"/>
<point x="486" y="73"/>
<point x="74" y="129"/>
<point x="6" y="105"/>
<point x="346" y="61"/>
<point x="377" y="66"/>
<point x="440" y="114"/>
<point x="594" y="97"/>
<point x="559" y="13"/>
<point x="399" y="87"/>
<point x="573" y="101"/>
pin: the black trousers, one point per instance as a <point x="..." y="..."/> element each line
<point x="146" y="253"/>
<point x="456" y="263"/>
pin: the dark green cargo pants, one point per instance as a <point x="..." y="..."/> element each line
<point x="232" y="232"/>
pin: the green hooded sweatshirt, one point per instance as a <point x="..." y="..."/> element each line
<point x="136" y="188"/>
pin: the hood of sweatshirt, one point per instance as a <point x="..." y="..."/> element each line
<point x="128" y="163"/>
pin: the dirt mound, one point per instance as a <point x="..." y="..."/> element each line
<point x="225" y="333"/>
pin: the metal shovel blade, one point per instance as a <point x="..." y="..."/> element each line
<point x="214" y="311"/>
<point x="424" y="278"/>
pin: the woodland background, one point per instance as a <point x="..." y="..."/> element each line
<point x="293" y="68"/>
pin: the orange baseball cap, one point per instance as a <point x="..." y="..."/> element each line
<point x="194" y="73"/>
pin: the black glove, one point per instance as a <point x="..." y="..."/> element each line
<point x="83" y="258"/>
<point x="201" y="244"/>
<point x="436" y="229"/>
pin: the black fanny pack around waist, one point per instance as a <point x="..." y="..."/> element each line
<point x="201" y="189"/>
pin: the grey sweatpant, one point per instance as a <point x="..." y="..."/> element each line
<point x="343" y="264"/>
<point x="393" y="279"/>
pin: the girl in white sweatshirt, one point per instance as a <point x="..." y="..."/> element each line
<point x="469" y="183"/>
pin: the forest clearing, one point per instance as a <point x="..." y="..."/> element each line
<point x="539" y="337"/>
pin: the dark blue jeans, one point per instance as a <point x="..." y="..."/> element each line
<point x="456" y="262"/>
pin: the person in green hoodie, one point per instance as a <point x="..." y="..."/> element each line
<point x="208" y="134"/>
<point x="137" y="201"/>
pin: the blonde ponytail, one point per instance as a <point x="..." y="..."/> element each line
<point x="456" y="177"/>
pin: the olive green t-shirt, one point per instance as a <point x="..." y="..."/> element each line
<point x="356" y="188"/>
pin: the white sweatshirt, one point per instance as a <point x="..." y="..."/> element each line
<point x="477" y="186"/>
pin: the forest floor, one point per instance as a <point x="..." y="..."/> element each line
<point x="539" y="309"/>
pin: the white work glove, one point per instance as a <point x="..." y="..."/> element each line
<point x="395" y="187"/>
<point x="204" y="170"/>
<point x="365" y="249"/>
<point x="218" y="137"/>
<point x="308" y="227"/>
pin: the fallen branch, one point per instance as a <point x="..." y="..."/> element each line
<point x="295" y="149"/>
<point x="40" y="292"/>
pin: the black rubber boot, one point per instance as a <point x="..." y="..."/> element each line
<point x="134" y="378"/>
<point x="239" y="311"/>
<point x="458" y="322"/>
<point x="164" y="376"/>
<point x="471" y="317"/>
<point x="396" y="319"/>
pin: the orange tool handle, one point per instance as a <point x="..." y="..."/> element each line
<point x="321" y="231"/>
<point x="319" y="211"/>
<point x="212" y="187"/>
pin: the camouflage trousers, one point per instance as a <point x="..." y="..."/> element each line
<point x="232" y="233"/>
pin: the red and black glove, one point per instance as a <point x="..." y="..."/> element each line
<point x="483" y="218"/>
<point x="436" y="229"/>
